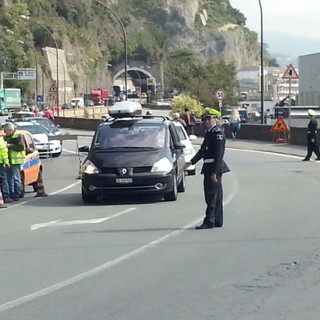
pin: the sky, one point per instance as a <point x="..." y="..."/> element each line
<point x="297" y="17"/>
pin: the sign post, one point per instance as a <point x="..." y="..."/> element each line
<point x="290" y="73"/>
<point x="220" y="95"/>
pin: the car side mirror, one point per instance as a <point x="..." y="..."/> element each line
<point x="84" y="149"/>
<point x="179" y="146"/>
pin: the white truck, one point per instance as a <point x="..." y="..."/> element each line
<point x="77" y="102"/>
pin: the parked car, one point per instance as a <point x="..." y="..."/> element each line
<point x="41" y="137"/>
<point x="47" y="123"/>
<point x="189" y="151"/>
<point x="88" y="103"/>
<point x="131" y="153"/>
<point x="66" y="106"/>
<point x="32" y="167"/>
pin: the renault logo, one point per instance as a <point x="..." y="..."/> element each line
<point x="124" y="171"/>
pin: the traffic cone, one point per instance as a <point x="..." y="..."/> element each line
<point x="2" y="205"/>
<point x="80" y="171"/>
<point x="39" y="187"/>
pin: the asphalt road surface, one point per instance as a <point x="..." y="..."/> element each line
<point x="141" y="258"/>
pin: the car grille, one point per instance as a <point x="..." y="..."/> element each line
<point x="116" y="171"/>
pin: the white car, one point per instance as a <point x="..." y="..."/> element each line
<point x="40" y="134"/>
<point x="189" y="150"/>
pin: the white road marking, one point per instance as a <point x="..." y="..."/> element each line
<point x="82" y="276"/>
<point x="60" y="223"/>
<point x="105" y="266"/>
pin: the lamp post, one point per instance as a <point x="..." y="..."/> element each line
<point x="124" y="43"/>
<point x="36" y="60"/>
<point x="261" y="63"/>
<point x="57" y="51"/>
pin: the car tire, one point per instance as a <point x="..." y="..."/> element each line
<point x="88" y="198"/>
<point x="182" y="184"/>
<point x="173" y="194"/>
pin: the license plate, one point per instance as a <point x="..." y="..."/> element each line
<point x="124" y="180"/>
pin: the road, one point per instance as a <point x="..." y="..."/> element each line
<point x="141" y="258"/>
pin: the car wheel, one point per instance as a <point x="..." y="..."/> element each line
<point x="88" y="198"/>
<point x="191" y="172"/>
<point x="173" y="194"/>
<point x="182" y="184"/>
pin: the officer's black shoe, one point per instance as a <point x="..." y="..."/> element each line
<point x="305" y="159"/>
<point x="204" y="226"/>
<point x="317" y="159"/>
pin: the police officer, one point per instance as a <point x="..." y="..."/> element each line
<point x="312" y="137"/>
<point x="212" y="152"/>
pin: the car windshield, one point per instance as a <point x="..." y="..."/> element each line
<point x="46" y="123"/>
<point x="36" y="129"/>
<point x="136" y="135"/>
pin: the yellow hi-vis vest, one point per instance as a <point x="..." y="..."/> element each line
<point x="17" y="157"/>
<point x="3" y="152"/>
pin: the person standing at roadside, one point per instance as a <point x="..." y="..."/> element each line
<point x="212" y="152"/>
<point x="188" y="118"/>
<point x="312" y="144"/>
<point x="235" y="123"/>
<point x="48" y="114"/>
<point x="4" y="167"/>
<point x="16" y="155"/>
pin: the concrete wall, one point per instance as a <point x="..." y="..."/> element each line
<point x="247" y="132"/>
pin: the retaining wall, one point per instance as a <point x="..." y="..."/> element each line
<point x="258" y="132"/>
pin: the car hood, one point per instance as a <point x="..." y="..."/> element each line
<point x="136" y="158"/>
<point x="40" y="138"/>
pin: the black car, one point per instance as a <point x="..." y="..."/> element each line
<point x="132" y="153"/>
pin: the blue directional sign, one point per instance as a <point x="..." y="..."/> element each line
<point x="40" y="98"/>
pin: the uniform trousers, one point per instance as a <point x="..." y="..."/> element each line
<point x="213" y="194"/>
<point x="313" y="147"/>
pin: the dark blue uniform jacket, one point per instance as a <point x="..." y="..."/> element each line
<point x="212" y="148"/>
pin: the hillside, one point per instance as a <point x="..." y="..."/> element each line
<point x="92" y="37"/>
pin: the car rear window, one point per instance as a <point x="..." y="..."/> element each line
<point x="131" y="134"/>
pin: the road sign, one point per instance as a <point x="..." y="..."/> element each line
<point x="220" y="94"/>
<point x="290" y="73"/>
<point x="279" y="126"/>
<point x="53" y="88"/>
<point x="26" y="74"/>
<point x="40" y="98"/>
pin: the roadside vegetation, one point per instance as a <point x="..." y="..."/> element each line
<point x="88" y="26"/>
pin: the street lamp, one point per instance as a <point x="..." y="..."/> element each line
<point x="125" y="45"/>
<point x="57" y="51"/>
<point x="261" y="62"/>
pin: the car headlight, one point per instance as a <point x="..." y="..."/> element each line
<point x="163" y="165"/>
<point x="89" y="168"/>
